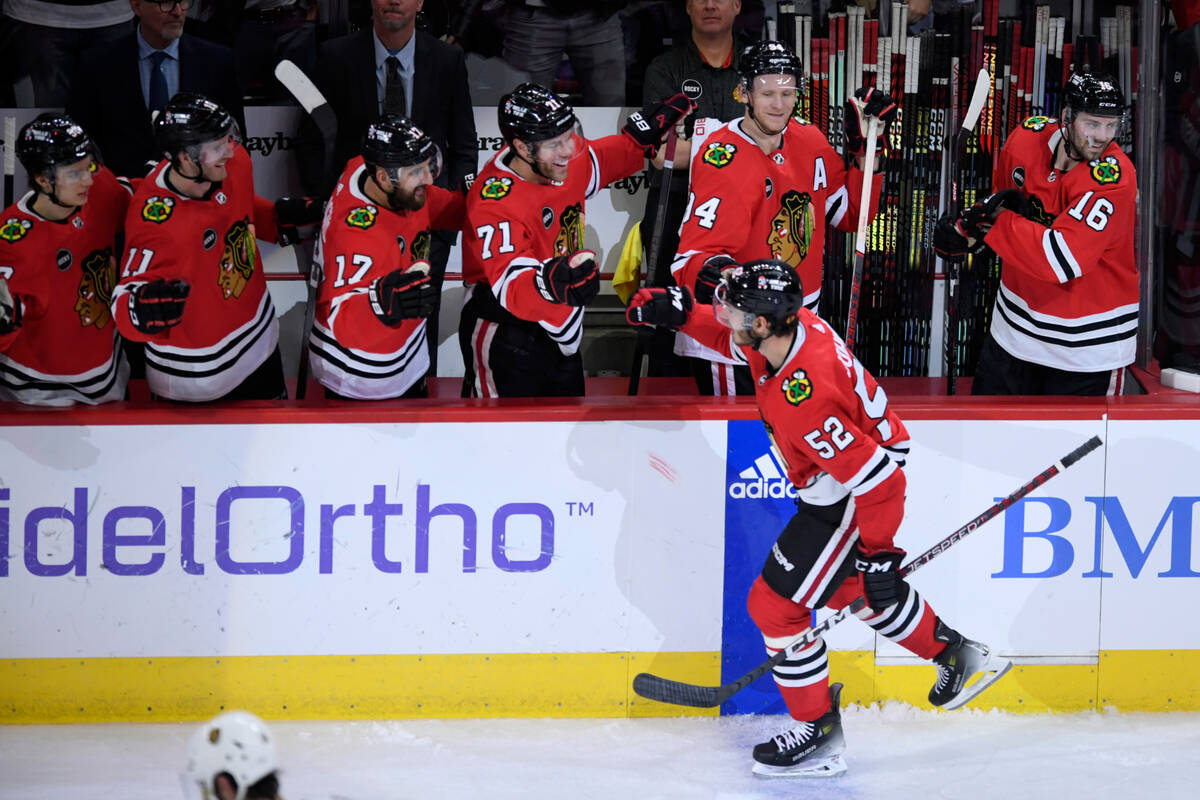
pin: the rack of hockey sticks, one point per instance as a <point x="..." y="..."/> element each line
<point x="664" y="690"/>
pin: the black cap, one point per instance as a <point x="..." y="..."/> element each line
<point x="533" y="113"/>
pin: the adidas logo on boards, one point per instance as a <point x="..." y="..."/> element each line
<point x="764" y="479"/>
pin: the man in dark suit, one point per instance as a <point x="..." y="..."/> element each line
<point x="394" y="67"/>
<point x="120" y="83"/>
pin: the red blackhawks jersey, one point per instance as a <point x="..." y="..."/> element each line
<point x="350" y="350"/>
<point x="63" y="274"/>
<point x="747" y="204"/>
<point x="513" y="225"/>
<point x="228" y="328"/>
<point x="829" y="424"/>
<point x="1068" y="294"/>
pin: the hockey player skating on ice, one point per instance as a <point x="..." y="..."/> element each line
<point x="232" y="757"/>
<point x="1062" y="219"/>
<point x="58" y="343"/>
<point x="765" y="186"/>
<point x="523" y="241"/>
<point x="368" y="337"/>
<point x="843" y="447"/>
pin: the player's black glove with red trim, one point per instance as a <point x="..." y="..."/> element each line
<point x="402" y="294"/>
<point x="882" y="583"/>
<point x="709" y="276"/>
<point x="158" y="305"/>
<point x="950" y="235"/>
<point x="294" y="213"/>
<point x="664" y="308"/>
<point x="649" y="127"/>
<point x="572" y="280"/>
<point x="10" y="310"/>
<point x="866" y="103"/>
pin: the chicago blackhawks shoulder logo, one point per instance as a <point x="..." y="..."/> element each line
<point x="1106" y="170"/>
<point x="797" y="388"/>
<point x="237" y="259"/>
<point x="792" y="228"/>
<point x="362" y="217"/>
<point x="1037" y="122"/>
<point x="719" y="154"/>
<point x="495" y="188"/>
<point x="14" y="229"/>
<point x="158" y="209"/>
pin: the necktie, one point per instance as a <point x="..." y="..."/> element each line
<point x="393" y="92"/>
<point x="158" y="82"/>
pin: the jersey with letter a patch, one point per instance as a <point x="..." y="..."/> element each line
<point x="63" y="273"/>
<point x="228" y="327"/>
<point x="749" y="204"/>
<point x="828" y="420"/>
<point x="351" y="351"/>
<point x="513" y="225"/>
<point x="1068" y="294"/>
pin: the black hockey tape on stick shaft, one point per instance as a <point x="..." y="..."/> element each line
<point x="665" y="690"/>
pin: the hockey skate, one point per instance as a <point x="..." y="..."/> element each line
<point x="809" y="750"/>
<point x="961" y="661"/>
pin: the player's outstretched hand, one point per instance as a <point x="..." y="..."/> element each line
<point x="709" y="277"/>
<point x="402" y="294"/>
<point x="649" y="127"/>
<point x="866" y="103"/>
<point x="294" y="213"/>
<point x="157" y="306"/>
<point x="572" y="280"/>
<point x="882" y="582"/>
<point x="10" y="310"/>
<point x="665" y="308"/>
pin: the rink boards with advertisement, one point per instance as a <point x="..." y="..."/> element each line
<point x="528" y="559"/>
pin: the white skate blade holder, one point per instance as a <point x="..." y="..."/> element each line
<point x="992" y="669"/>
<point x="830" y="767"/>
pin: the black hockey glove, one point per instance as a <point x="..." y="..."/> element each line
<point x="950" y="243"/>
<point x="709" y="277"/>
<point x="157" y="306"/>
<point x="572" y="280"/>
<point x="977" y="220"/>
<point x="402" y="294"/>
<point x="649" y="127"/>
<point x="866" y="103"/>
<point x="665" y="308"/>
<point x="882" y="583"/>
<point x="294" y="213"/>
<point x="10" y="310"/>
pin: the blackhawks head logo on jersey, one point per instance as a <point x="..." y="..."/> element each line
<point x="797" y="388"/>
<point x="237" y="259"/>
<point x="570" y="232"/>
<point x="94" y="296"/>
<point x="420" y="246"/>
<point x="792" y="228"/>
<point x="719" y="154"/>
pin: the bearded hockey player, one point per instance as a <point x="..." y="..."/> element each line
<point x="843" y="447"/>
<point x="58" y="343"/>
<point x="523" y="241"/>
<point x="1062" y="219"/>
<point x="765" y="186"/>
<point x="369" y="333"/>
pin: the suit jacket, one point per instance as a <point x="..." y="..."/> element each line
<point x="107" y="96"/>
<point x="441" y="106"/>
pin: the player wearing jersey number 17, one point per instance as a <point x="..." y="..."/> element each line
<point x="843" y="448"/>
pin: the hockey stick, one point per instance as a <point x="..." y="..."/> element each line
<point x="663" y="690"/>
<point x="653" y="255"/>
<point x="983" y="85"/>
<point x="10" y="159"/>
<point x="860" y="236"/>
<point x="310" y="97"/>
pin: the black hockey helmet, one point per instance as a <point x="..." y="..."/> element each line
<point x="394" y="142"/>
<point x="1094" y="93"/>
<point x="189" y="120"/>
<point x="533" y="113"/>
<point x="769" y="58"/>
<point x="51" y="140"/>
<point x="764" y="287"/>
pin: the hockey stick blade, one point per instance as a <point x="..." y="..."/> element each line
<point x="664" y="690"/>
<point x="983" y="86"/>
<point x="309" y="96"/>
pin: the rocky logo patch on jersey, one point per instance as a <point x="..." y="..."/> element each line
<point x="692" y="88"/>
<point x="1037" y="123"/>
<point x="1018" y="177"/>
<point x="208" y="238"/>
<point x="770" y="187"/>
<point x="158" y="209"/>
<point x="1106" y="170"/>
<point x="94" y="296"/>
<point x="797" y="388"/>
<point x="400" y="244"/>
<point x="547" y="217"/>
<point x="63" y="259"/>
<point x="792" y="228"/>
<point x="14" y="230"/>
<point x="237" y="259"/>
<point x="570" y="234"/>
<point x="495" y="188"/>
<point x="362" y="217"/>
<point x="720" y="154"/>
